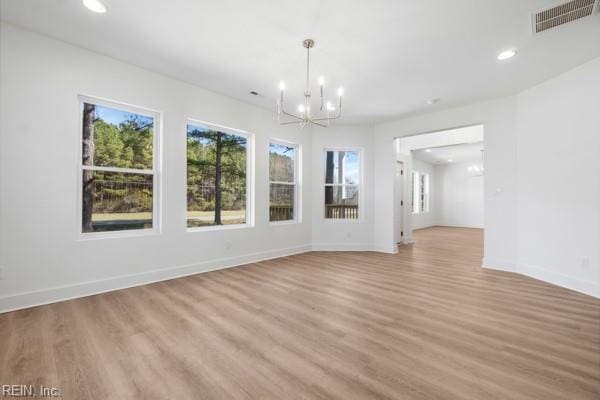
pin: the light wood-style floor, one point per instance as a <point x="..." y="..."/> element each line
<point x="427" y="323"/>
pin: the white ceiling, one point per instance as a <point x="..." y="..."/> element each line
<point x="391" y="56"/>
<point x="468" y="152"/>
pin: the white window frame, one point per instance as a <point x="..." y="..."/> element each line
<point x="297" y="182"/>
<point x="360" y="185"/>
<point x="424" y="191"/>
<point x="155" y="171"/>
<point x="416" y="192"/>
<point x="249" y="177"/>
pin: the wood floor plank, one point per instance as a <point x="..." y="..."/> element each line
<point x="426" y="323"/>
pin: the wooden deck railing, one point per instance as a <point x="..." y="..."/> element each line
<point x="281" y="213"/>
<point x="276" y="213"/>
<point x="341" y="211"/>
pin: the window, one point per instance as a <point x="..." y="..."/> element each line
<point x="415" y="184"/>
<point x="217" y="176"/>
<point x="119" y="167"/>
<point x="342" y="171"/>
<point x="424" y="193"/>
<point x="420" y="192"/>
<point x="283" y="189"/>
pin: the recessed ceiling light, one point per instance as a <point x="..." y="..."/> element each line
<point x="95" y="6"/>
<point x="428" y="150"/>
<point x="449" y="160"/>
<point x="506" y="54"/>
<point x="433" y="101"/>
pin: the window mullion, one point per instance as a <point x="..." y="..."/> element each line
<point x="282" y="183"/>
<point x="118" y="169"/>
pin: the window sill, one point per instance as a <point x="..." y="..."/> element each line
<point x="117" y="234"/>
<point x="211" y="228"/>
<point x="343" y="220"/>
<point x="284" y="223"/>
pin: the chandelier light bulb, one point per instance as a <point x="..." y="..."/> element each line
<point x="95" y="6"/>
<point x="321" y="81"/>
<point x="301" y="108"/>
<point x="341" y="91"/>
<point x="282" y="86"/>
<point x="329" y="106"/>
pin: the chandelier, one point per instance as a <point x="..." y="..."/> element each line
<point x="327" y="111"/>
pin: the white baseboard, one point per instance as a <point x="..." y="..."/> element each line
<point x="391" y="249"/>
<point x="556" y="278"/>
<point x="459" y="226"/>
<point x="68" y="292"/>
<point x="342" y="247"/>
<point x="545" y="275"/>
<point x="500" y="265"/>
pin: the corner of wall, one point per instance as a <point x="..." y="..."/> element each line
<point x="544" y="275"/>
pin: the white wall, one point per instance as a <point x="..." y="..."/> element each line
<point x="40" y="253"/>
<point x="542" y="177"/>
<point x="458" y="196"/>
<point x="558" y="161"/>
<point x="424" y="220"/>
<point x="342" y="234"/>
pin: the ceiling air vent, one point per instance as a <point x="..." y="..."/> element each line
<point x="562" y="14"/>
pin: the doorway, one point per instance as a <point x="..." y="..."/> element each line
<point x="441" y="181"/>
